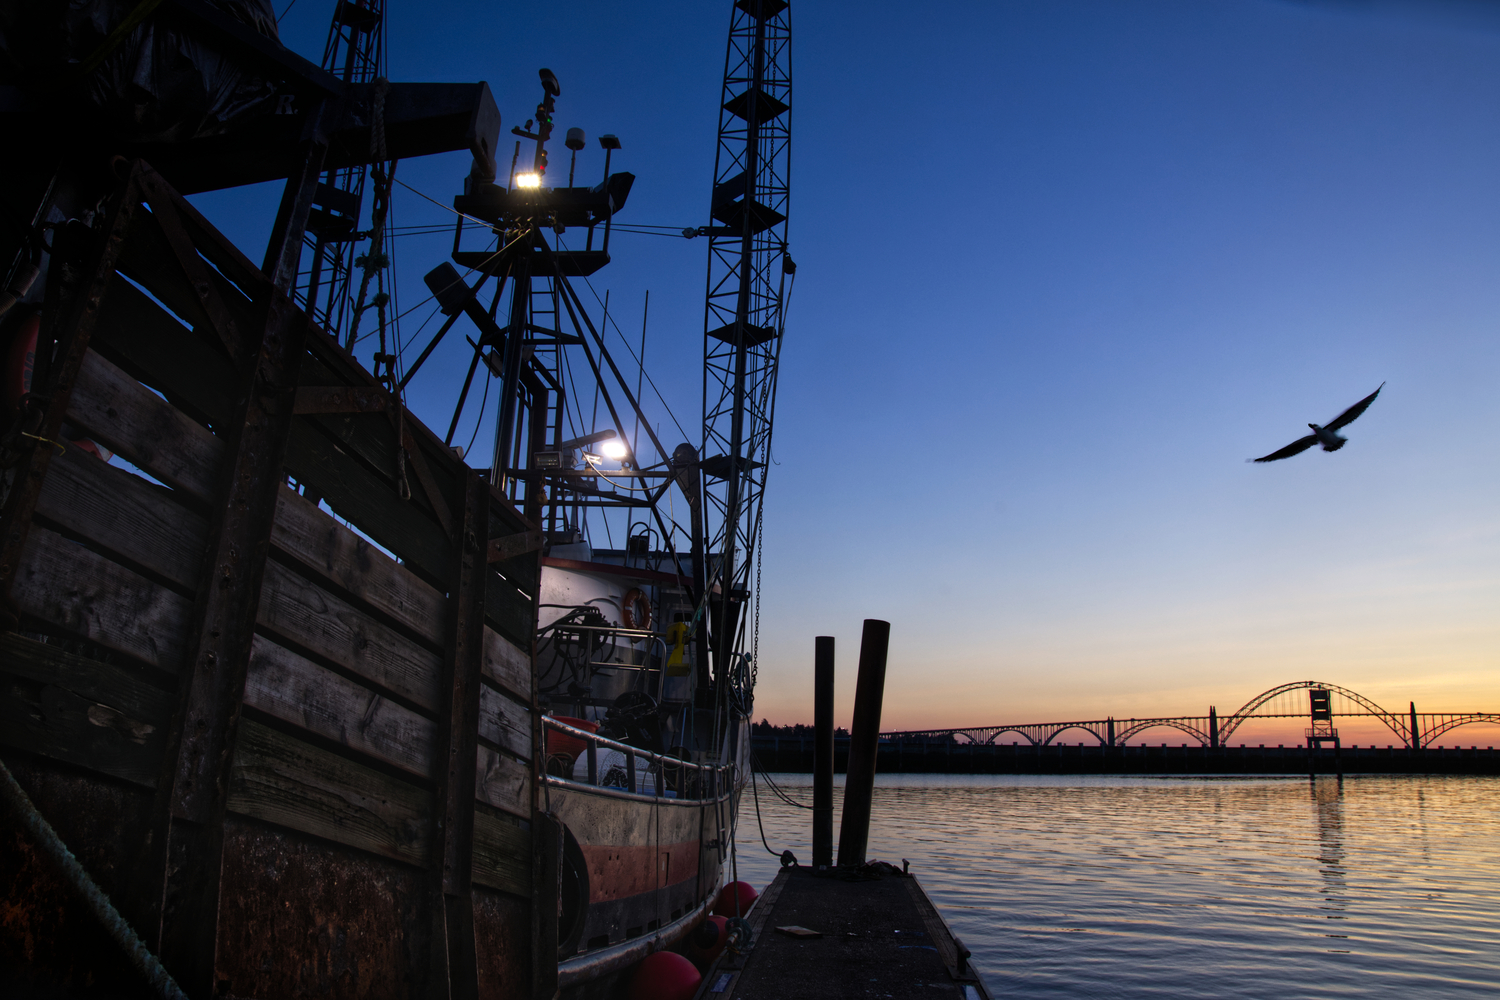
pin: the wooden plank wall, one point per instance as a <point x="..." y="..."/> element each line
<point x="344" y="693"/>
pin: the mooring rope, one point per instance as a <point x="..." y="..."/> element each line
<point x="52" y="846"/>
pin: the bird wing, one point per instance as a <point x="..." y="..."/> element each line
<point x="1348" y="416"/>
<point x="1295" y="448"/>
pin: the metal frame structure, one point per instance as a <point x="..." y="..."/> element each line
<point x="1209" y="731"/>
<point x="354" y="53"/>
<point x="744" y="309"/>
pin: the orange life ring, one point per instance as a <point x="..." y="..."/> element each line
<point x="635" y="609"/>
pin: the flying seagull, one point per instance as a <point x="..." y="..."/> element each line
<point x="1324" y="435"/>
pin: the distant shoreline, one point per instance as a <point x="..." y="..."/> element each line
<point x="794" y="755"/>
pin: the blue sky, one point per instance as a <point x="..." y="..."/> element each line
<point x="1063" y="267"/>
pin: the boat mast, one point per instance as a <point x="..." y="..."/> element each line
<point x="354" y="53"/>
<point x="743" y="315"/>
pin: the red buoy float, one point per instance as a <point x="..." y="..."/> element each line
<point x="664" y="975"/>
<point x="742" y="892"/>
<point x="20" y="357"/>
<point x="707" y="941"/>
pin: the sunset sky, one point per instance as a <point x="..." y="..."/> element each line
<point x="1065" y="265"/>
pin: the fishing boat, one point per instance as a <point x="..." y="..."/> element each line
<point x="299" y="699"/>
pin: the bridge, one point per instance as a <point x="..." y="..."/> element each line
<point x="1412" y="728"/>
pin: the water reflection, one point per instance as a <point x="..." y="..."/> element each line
<point x="1215" y="888"/>
<point x="1328" y="804"/>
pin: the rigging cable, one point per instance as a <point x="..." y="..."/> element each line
<point x="604" y="325"/>
<point x="479" y="422"/>
<point x="781" y="792"/>
<point x="758" y="821"/>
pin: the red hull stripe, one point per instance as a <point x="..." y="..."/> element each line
<point x="618" y="872"/>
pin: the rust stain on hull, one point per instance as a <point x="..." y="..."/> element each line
<point x="616" y="872"/>
<point x="502" y="943"/>
<point x="299" y="917"/>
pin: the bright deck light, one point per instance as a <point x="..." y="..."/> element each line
<point x="614" y="449"/>
<point x="528" y="180"/>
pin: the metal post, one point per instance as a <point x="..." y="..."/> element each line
<point x="515" y="336"/>
<point x="822" y="837"/>
<point x="864" y="743"/>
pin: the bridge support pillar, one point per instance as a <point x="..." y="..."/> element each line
<point x="1316" y="743"/>
<point x="1213" y="727"/>
<point x="1416" y="733"/>
<point x="1111" y="727"/>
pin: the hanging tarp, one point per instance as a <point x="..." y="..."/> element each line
<point x="158" y="81"/>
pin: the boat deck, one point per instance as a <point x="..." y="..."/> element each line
<point x="878" y="936"/>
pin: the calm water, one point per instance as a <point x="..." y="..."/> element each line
<point x="1263" y="888"/>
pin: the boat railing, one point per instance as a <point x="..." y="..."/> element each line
<point x="656" y="643"/>
<point x="671" y="777"/>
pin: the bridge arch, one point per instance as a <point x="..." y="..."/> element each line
<point x="1393" y="721"/>
<point x="1103" y="741"/>
<point x="995" y="736"/>
<point x="1448" y="724"/>
<point x="1144" y="724"/>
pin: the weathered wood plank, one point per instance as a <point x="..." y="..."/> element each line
<point x="144" y="428"/>
<point x="154" y="265"/>
<point x="502" y="853"/>
<point x="351" y="563"/>
<point x="282" y="780"/>
<point x="507" y="521"/>
<point x="125" y="514"/>
<point x="504" y="518"/>
<point x="509" y="609"/>
<point x="79" y="710"/>
<point x="374" y="441"/>
<point x="513" y="545"/>
<point x="305" y="615"/>
<point x="68" y="321"/>
<point x="508" y="547"/>
<point x="221" y="251"/>
<point x="341" y="399"/>
<point x="504" y="721"/>
<point x="507" y="664"/>
<point x="503" y="782"/>
<point x="91" y="597"/>
<point x="297" y="690"/>
<point x="52" y="721"/>
<point x="99" y="682"/>
<point x="367" y="500"/>
<point x="153" y="346"/>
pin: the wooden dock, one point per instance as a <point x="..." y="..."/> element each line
<point x="875" y="934"/>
